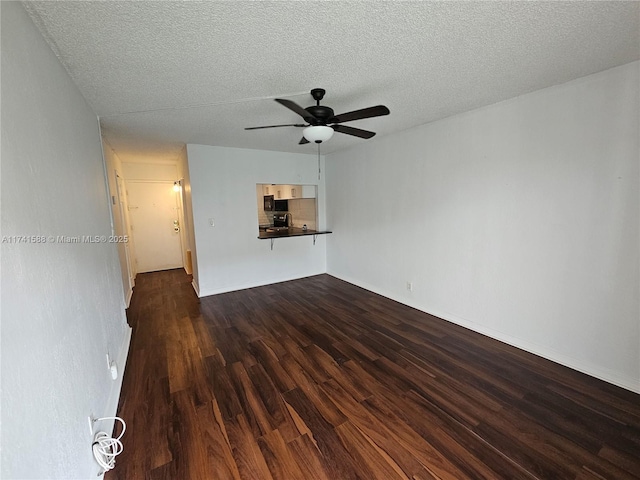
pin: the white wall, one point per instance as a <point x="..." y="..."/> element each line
<point x="518" y="220"/>
<point x="62" y="307"/>
<point x="150" y="171"/>
<point x="223" y="186"/>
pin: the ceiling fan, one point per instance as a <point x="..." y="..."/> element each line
<point x="321" y="122"/>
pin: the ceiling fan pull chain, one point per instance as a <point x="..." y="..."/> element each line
<point x="318" y="161"/>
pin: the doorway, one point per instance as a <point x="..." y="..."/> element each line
<point x="155" y="225"/>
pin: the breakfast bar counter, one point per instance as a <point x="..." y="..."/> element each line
<point x="284" y="232"/>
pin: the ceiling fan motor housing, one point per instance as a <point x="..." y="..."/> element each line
<point x="319" y="115"/>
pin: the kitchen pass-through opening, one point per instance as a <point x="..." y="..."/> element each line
<point x="283" y="206"/>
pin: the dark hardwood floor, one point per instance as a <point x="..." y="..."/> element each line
<point x="319" y="379"/>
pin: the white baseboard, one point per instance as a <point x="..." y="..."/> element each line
<point x="233" y="288"/>
<point x="121" y="362"/>
<point x="542" y="351"/>
<point x="114" y="394"/>
<point x="195" y="288"/>
<point x="128" y="298"/>
<point x="545" y="352"/>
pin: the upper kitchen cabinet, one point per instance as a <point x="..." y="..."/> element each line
<point x="289" y="192"/>
<point x="282" y="192"/>
<point x="308" y="191"/>
<point x="278" y="191"/>
<point x="270" y="189"/>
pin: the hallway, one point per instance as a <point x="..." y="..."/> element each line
<point x="319" y="379"/>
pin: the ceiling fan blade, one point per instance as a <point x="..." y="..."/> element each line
<point x="376" y="111"/>
<point x="274" y="126"/>
<point x="295" y="107"/>
<point x="356" y="132"/>
<point x="303" y="141"/>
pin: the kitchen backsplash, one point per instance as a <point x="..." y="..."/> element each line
<point x="264" y="218"/>
<point x="302" y="210"/>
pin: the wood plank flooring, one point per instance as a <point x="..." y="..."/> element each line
<point x="319" y="379"/>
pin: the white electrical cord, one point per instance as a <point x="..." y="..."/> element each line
<point x="106" y="448"/>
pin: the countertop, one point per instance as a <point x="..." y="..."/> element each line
<point x="291" y="232"/>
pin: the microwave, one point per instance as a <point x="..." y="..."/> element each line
<point x="281" y="205"/>
<point x="269" y="203"/>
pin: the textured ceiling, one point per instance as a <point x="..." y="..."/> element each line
<point x="161" y="74"/>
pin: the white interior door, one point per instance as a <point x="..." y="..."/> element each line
<point x="153" y="211"/>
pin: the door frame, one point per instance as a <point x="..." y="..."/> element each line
<point x="123" y="210"/>
<point x="182" y="218"/>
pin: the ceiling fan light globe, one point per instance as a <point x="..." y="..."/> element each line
<point x="317" y="133"/>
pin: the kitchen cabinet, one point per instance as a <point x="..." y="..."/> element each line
<point x="279" y="192"/>
<point x="298" y="191"/>
<point x="308" y="191"/>
<point x="285" y="192"/>
<point x="289" y="192"/>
